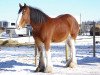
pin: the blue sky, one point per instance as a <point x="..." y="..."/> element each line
<point x="89" y="9"/>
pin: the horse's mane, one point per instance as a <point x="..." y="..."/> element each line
<point x="37" y="15"/>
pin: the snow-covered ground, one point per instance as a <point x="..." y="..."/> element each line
<point x="20" y="60"/>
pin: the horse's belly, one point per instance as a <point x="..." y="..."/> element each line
<point x="59" y="38"/>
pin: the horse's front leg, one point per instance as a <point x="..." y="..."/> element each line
<point x="41" y="66"/>
<point x="49" y="65"/>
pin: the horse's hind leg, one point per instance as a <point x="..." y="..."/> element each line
<point x="72" y="62"/>
<point x="67" y="53"/>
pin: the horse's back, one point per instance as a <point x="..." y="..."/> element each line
<point x="64" y="25"/>
<point x="72" y="23"/>
<point x="60" y="31"/>
<point x="57" y="29"/>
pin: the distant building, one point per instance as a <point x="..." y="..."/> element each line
<point x="10" y="28"/>
<point x="4" y="24"/>
<point x="85" y="27"/>
<point x="97" y="30"/>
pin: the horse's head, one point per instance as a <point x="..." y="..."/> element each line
<point x="23" y="16"/>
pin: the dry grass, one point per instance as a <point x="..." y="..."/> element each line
<point x="12" y="43"/>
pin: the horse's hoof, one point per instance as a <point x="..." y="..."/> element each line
<point x="38" y="69"/>
<point x="68" y="63"/>
<point x="49" y="69"/>
<point x="72" y="65"/>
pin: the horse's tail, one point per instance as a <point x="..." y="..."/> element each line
<point x="74" y="26"/>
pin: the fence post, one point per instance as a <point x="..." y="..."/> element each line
<point x="29" y="35"/>
<point x="36" y="51"/>
<point x="66" y="52"/>
<point x="93" y="39"/>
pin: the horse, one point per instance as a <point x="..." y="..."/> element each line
<point x="47" y="30"/>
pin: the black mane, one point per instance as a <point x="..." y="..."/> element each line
<point x="37" y="16"/>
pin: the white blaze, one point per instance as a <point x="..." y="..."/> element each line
<point x="19" y="18"/>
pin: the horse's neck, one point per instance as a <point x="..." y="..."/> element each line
<point x="35" y="27"/>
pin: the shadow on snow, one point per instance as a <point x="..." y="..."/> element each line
<point x="89" y="61"/>
<point x="10" y="64"/>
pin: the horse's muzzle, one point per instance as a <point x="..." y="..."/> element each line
<point x="19" y="27"/>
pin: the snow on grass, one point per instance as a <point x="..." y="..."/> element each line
<point x="20" y="60"/>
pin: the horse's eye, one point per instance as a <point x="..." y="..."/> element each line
<point x="24" y="10"/>
<point x="23" y="13"/>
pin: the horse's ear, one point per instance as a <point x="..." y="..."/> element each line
<point x="20" y="5"/>
<point x="25" y="4"/>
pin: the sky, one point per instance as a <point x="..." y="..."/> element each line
<point x="89" y="9"/>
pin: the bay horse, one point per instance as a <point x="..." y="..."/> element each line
<point x="47" y="30"/>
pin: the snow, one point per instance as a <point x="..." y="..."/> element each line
<point x="20" y="60"/>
